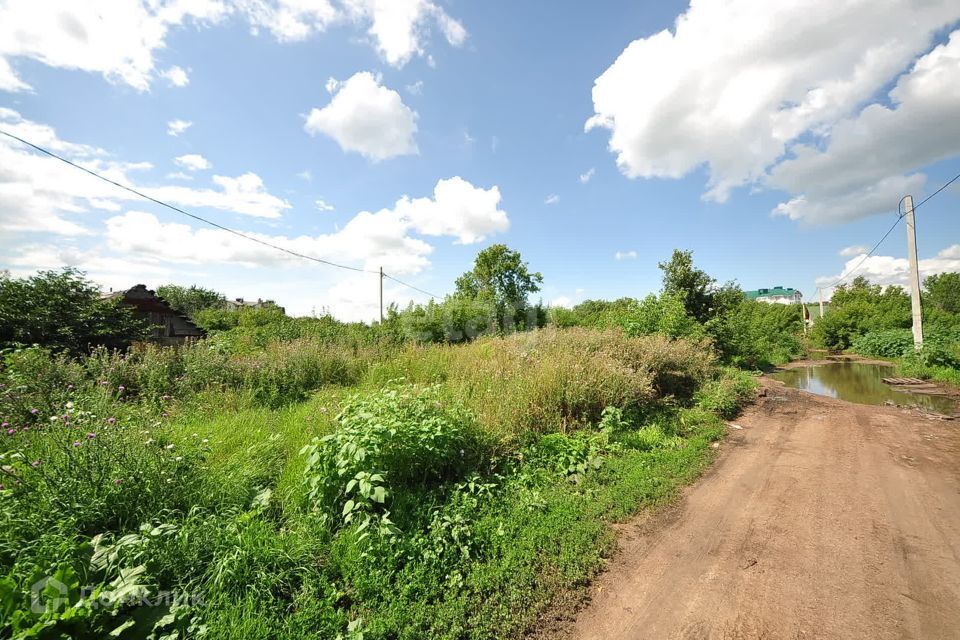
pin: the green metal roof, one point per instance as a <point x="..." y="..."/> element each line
<point x="773" y="291"/>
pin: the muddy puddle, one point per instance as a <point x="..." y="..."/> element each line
<point x="861" y="383"/>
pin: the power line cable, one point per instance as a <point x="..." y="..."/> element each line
<point x="900" y="217"/>
<point x="204" y="220"/>
<point x="181" y="211"/>
<point x="847" y="274"/>
<point x="947" y="184"/>
<point x="387" y="275"/>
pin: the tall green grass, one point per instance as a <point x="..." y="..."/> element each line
<point x="315" y="489"/>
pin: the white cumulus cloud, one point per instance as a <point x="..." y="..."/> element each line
<point x="192" y="162"/>
<point x="870" y="159"/>
<point x="400" y="27"/>
<point x="383" y="238"/>
<point x="40" y="193"/>
<point x="737" y="83"/>
<point x="178" y="127"/>
<point x="552" y="199"/>
<point x="365" y="117"/>
<point x="625" y="255"/>
<point x="855" y="250"/>
<point x="458" y="209"/>
<point x="887" y="270"/>
<point x="137" y="245"/>
<point x="176" y="76"/>
<point x="323" y="205"/>
<point x="116" y="38"/>
<point x="121" y="39"/>
<point x="244" y="194"/>
<point x="586" y="176"/>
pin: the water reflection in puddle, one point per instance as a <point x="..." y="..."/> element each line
<point x="860" y="383"/>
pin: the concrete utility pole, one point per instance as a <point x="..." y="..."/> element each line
<point x="381" y="295"/>
<point x="914" y="273"/>
<point x="821" y="301"/>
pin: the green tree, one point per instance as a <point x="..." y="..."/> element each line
<point x="860" y="308"/>
<point x="599" y="314"/>
<point x="666" y="315"/>
<point x="64" y="311"/>
<point x="191" y="300"/>
<point x="501" y="277"/>
<point x="943" y="292"/>
<point x="693" y="286"/>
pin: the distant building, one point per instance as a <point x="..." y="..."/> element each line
<point x="240" y="303"/>
<point x="169" y="325"/>
<point x="776" y="295"/>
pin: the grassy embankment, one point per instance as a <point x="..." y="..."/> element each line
<point x="316" y="489"/>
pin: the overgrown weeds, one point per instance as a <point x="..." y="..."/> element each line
<point x="442" y="492"/>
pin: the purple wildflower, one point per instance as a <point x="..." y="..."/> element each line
<point x="76" y="443"/>
<point x="111" y="420"/>
<point x="35" y="464"/>
<point x="70" y="387"/>
<point x="164" y="414"/>
<point x="104" y="383"/>
<point x="4" y="425"/>
<point x="121" y="388"/>
<point x="164" y="397"/>
<point x="34" y="411"/>
<point x="117" y="481"/>
<point x="91" y="435"/>
<point x="11" y="431"/>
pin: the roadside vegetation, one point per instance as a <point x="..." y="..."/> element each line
<point x="876" y="321"/>
<point x="444" y="474"/>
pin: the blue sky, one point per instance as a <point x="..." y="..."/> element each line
<point x="477" y="113"/>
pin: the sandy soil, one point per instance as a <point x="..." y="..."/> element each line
<point x="820" y="519"/>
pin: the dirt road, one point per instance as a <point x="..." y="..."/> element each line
<point x="821" y="519"/>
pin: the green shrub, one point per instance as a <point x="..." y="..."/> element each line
<point x="755" y="335"/>
<point x="941" y="349"/>
<point x="666" y="315"/>
<point x="554" y="380"/>
<point x="861" y="308"/>
<point x="891" y="343"/>
<point x="726" y="394"/>
<point x="398" y="437"/>
<point x="596" y="314"/>
<point x="62" y="311"/>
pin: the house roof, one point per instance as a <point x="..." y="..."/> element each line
<point x="771" y="292"/>
<point x="145" y="299"/>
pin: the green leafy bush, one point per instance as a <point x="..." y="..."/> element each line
<point x="755" y="335"/>
<point x="859" y="309"/>
<point x="62" y="311"/>
<point x="891" y="343"/>
<point x="666" y="315"/>
<point x="399" y="437"/>
<point x="727" y="393"/>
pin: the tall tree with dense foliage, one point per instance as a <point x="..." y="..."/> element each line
<point x="693" y="286"/>
<point x="191" y="300"/>
<point x="860" y="308"/>
<point x="64" y="311"/>
<point x="942" y="292"/>
<point x="500" y="276"/>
